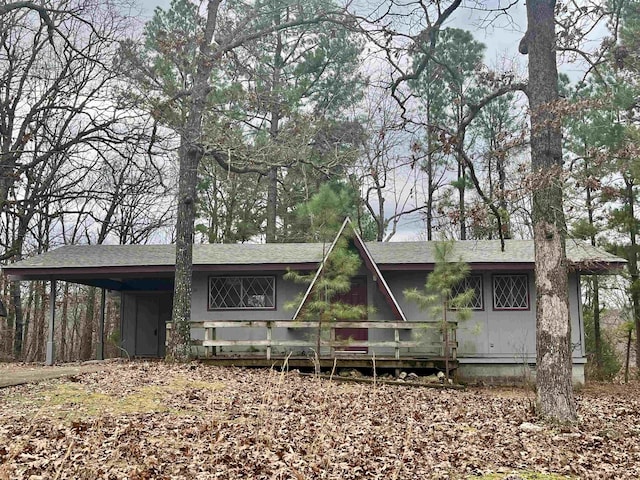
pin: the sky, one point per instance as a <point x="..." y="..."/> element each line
<point x="149" y="5"/>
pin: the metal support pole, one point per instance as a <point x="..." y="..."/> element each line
<point x="52" y="323"/>
<point x="100" y="346"/>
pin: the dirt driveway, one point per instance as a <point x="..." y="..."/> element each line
<point x="18" y="374"/>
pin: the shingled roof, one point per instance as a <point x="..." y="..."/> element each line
<point x="485" y="252"/>
<point x="80" y="259"/>
<point x="164" y="255"/>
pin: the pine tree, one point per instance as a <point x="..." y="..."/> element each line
<point x="440" y="295"/>
<point x="609" y="135"/>
<point x="205" y="47"/>
<point x="445" y="87"/>
<point x="333" y="280"/>
<point x="333" y="277"/>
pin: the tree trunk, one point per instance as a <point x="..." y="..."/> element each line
<point x="41" y="319"/>
<point x="180" y="338"/>
<point x="430" y="189"/>
<point x="430" y="173"/>
<point x="595" y="304"/>
<point x="62" y="353"/>
<point x="462" y="180"/>
<point x="28" y="319"/>
<point x="635" y="300"/>
<point x="555" y="399"/>
<point x="33" y="338"/>
<point x="461" y="205"/>
<point x="632" y="264"/>
<point x="502" y="203"/>
<point x="272" y="204"/>
<point x="380" y="223"/>
<point x="190" y="154"/>
<point x="18" y="336"/>
<point x="86" y="337"/>
<point x="75" y="329"/>
<point x="111" y="328"/>
<point x="274" y="131"/>
<point x="6" y="330"/>
<point x="626" y="363"/>
<point x="7" y="179"/>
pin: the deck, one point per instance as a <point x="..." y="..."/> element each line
<point x="388" y="344"/>
<point x="327" y="363"/>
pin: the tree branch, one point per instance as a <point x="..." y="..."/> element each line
<point x="43" y="12"/>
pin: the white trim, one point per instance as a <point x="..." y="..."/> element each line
<point x="378" y="273"/>
<point x="376" y="270"/>
<point x="241" y="279"/>
<point x="511" y="276"/>
<point x="315" y="277"/>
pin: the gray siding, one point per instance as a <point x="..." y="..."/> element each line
<point x="286" y="291"/>
<point x="488" y="336"/>
<point x="508" y="335"/>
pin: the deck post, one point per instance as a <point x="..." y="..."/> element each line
<point x="100" y="346"/>
<point x="332" y="341"/>
<point x="396" y="337"/>
<point x="454" y="342"/>
<point x="269" y="332"/>
<point x="207" y="337"/>
<point x="50" y="355"/>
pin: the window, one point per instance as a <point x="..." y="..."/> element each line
<point x="473" y="282"/>
<point x="242" y="293"/>
<point x="510" y="292"/>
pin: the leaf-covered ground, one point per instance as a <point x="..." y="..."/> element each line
<point x="156" y="421"/>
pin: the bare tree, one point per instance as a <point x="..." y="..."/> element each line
<point x="41" y="10"/>
<point x="59" y="88"/>
<point x="60" y="107"/>
<point x="388" y="174"/>
<point x="28" y="220"/>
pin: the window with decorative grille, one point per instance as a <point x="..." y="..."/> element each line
<point x="473" y="282"/>
<point x="511" y="292"/>
<point x="241" y="293"/>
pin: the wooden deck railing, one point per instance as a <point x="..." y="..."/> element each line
<point x="212" y="328"/>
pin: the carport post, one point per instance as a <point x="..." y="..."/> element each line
<point x="100" y="352"/>
<point x="52" y="323"/>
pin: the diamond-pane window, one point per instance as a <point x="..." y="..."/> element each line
<point x="472" y="282"/>
<point x="510" y="292"/>
<point x="241" y="293"/>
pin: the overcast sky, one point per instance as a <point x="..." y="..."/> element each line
<point x="149" y="5"/>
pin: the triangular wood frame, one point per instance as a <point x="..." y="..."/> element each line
<point x="371" y="265"/>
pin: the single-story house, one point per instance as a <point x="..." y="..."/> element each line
<point x="240" y="295"/>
